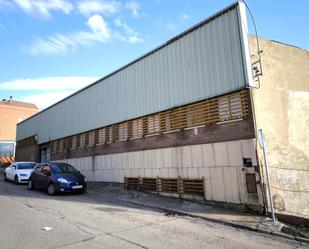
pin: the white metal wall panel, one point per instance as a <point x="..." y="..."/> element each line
<point x="205" y="62"/>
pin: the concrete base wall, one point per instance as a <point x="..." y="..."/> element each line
<point x="220" y="163"/>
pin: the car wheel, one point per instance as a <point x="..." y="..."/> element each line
<point x="30" y="185"/>
<point x="51" y="190"/>
<point x="16" y="180"/>
<point x="5" y="177"/>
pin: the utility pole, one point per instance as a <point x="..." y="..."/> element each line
<point x="262" y="143"/>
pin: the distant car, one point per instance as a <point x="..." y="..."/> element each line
<point x="57" y="177"/>
<point x="19" y="172"/>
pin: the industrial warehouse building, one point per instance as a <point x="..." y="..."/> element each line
<point x="191" y="109"/>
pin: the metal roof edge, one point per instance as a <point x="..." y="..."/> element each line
<point x="189" y="30"/>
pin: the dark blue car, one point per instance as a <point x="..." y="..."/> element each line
<point x="57" y="177"/>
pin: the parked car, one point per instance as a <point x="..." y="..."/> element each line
<point x="19" y="172"/>
<point x="57" y="177"/>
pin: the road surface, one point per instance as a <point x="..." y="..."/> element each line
<point x="88" y="221"/>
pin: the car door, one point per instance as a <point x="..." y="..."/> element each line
<point x="11" y="172"/>
<point x="45" y="176"/>
<point x="8" y="172"/>
<point x="35" y="176"/>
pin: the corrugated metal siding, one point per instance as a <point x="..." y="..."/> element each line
<point x="204" y="63"/>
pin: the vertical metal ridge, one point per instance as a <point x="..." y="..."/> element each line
<point x="203" y="63"/>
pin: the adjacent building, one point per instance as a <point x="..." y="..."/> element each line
<point x="11" y="112"/>
<point x="191" y="108"/>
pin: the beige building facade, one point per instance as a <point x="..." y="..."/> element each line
<point x="281" y="109"/>
<point x="11" y="112"/>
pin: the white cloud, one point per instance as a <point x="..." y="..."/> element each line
<point x="130" y="35"/>
<point x="5" y="4"/>
<point x="45" y="100"/>
<point x="48" y="90"/>
<point x="61" y="44"/>
<point x="184" y="18"/>
<point x="89" y="7"/>
<point x="44" y="7"/>
<point x="48" y="83"/>
<point x="134" y="7"/>
<point x="170" y="26"/>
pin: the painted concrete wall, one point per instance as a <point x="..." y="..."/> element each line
<point x="220" y="163"/>
<point x="10" y="114"/>
<point x="282" y="111"/>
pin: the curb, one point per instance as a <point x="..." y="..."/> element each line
<point x="235" y="225"/>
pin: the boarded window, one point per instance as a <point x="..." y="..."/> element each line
<point x="123" y="131"/>
<point x="115" y="133"/>
<point x="54" y="146"/>
<point x="60" y="146"/>
<point x="109" y="134"/>
<point x="236" y="107"/>
<point x="91" y="136"/>
<point x="224" y="108"/>
<point x="230" y="107"/>
<point x="220" y="109"/>
<point x="137" y="128"/>
<point x="101" y="136"/>
<point x="74" y="140"/>
<point x="82" y="140"/>
<point x="153" y="124"/>
<point x="168" y="122"/>
<point x="196" y="115"/>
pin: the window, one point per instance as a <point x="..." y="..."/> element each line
<point x="236" y="107"/>
<point x="230" y="107"/>
<point x="109" y="132"/>
<point x="54" y="146"/>
<point x="46" y="168"/>
<point x="115" y="133"/>
<point x="91" y="136"/>
<point x="153" y="124"/>
<point x="168" y="122"/>
<point x="73" y="145"/>
<point x="82" y="140"/>
<point x="137" y="128"/>
<point x="101" y="136"/>
<point x="195" y="115"/>
<point x="26" y="165"/>
<point x="39" y="167"/>
<point x="60" y="145"/>
<point x="189" y="118"/>
<point x="7" y="149"/>
<point x="123" y="131"/>
<point x="224" y="108"/>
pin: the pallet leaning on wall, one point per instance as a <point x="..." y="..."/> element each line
<point x="179" y="185"/>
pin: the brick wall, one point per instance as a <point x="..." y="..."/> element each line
<point x="27" y="150"/>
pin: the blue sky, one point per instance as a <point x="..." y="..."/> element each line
<point x="51" y="48"/>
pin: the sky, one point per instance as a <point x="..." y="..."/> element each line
<point x="51" y="48"/>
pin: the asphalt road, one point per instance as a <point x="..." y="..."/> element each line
<point x="88" y="221"/>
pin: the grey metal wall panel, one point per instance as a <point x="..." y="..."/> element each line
<point x="205" y="62"/>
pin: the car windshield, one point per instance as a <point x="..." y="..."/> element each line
<point x="64" y="168"/>
<point x="26" y="165"/>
